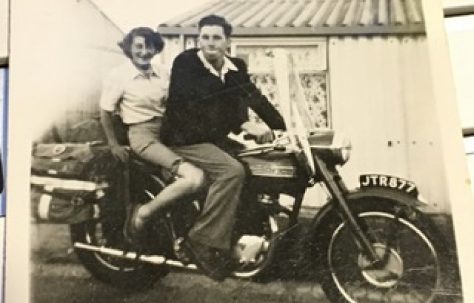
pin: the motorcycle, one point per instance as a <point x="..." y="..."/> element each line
<point x="372" y="239"/>
<point x="370" y="244"/>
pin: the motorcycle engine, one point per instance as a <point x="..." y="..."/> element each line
<point x="249" y="247"/>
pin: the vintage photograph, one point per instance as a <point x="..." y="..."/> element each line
<point x="230" y="151"/>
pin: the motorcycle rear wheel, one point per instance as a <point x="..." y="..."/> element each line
<point x="117" y="272"/>
<point x="411" y="247"/>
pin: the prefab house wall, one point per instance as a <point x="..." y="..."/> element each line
<point x="382" y="98"/>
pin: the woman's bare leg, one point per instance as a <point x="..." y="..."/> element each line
<point x="190" y="180"/>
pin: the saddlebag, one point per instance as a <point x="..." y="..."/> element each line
<point x="67" y="179"/>
<point x="71" y="160"/>
<point x="56" y="207"/>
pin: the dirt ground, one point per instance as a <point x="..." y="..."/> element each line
<point x="57" y="276"/>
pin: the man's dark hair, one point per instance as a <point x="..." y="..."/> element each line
<point x="216" y="20"/>
<point x="151" y="38"/>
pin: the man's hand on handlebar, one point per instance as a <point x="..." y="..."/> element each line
<point x="260" y="132"/>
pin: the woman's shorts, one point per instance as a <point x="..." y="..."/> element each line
<point x="145" y="141"/>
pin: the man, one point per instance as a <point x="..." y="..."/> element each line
<point x="210" y="94"/>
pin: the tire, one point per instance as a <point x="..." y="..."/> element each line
<point x="120" y="273"/>
<point x="409" y="241"/>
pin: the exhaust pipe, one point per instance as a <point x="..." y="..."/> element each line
<point x="152" y="259"/>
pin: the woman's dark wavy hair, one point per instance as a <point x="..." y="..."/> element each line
<point x="151" y="38"/>
<point x="216" y="20"/>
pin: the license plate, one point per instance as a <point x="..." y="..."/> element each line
<point x="389" y="182"/>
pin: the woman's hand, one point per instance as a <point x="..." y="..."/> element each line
<point x="119" y="152"/>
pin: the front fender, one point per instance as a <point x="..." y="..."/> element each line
<point x="387" y="193"/>
<point x="360" y="194"/>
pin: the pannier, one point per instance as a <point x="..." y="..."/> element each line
<point x="66" y="178"/>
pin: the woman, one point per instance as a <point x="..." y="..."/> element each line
<point x="138" y="89"/>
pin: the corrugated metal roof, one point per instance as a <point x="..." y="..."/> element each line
<point x="307" y="17"/>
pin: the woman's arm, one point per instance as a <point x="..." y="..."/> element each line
<point x="111" y="95"/>
<point x="118" y="151"/>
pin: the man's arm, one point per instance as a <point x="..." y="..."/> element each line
<point x="253" y="98"/>
<point x="184" y="120"/>
<point x="182" y="90"/>
<point x="260" y="104"/>
<point x="185" y="84"/>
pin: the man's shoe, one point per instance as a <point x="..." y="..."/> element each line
<point x="133" y="236"/>
<point x="207" y="259"/>
<point x="226" y="261"/>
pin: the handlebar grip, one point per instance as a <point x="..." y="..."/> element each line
<point x="279" y="148"/>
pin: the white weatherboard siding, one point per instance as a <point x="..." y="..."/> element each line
<point x="381" y="97"/>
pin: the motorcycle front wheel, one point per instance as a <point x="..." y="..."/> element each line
<point x="409" y="247"/>
<point x="118" y="272"/>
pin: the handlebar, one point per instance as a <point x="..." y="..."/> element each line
<point x="256" y="149"/>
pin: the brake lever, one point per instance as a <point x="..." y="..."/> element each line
<point x="263" y="149"/>
<point x="256" y="151"/>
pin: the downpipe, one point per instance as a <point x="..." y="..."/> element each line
<point x="133" y="256"/>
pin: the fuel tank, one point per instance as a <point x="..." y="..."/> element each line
<point x="274" y="164"/>
<point x="275" y="172"/>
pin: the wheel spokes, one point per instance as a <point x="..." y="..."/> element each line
<point x="408" y="272"/>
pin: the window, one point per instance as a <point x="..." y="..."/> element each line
<point x="310" y="62"/>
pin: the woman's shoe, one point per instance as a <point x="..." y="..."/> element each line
<point x="134" y="236"/>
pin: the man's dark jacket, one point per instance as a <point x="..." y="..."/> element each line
<point x="201" y="108"/>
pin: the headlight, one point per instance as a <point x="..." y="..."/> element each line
<point x="331" y="146"/>
<point x="341" y="148"/>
